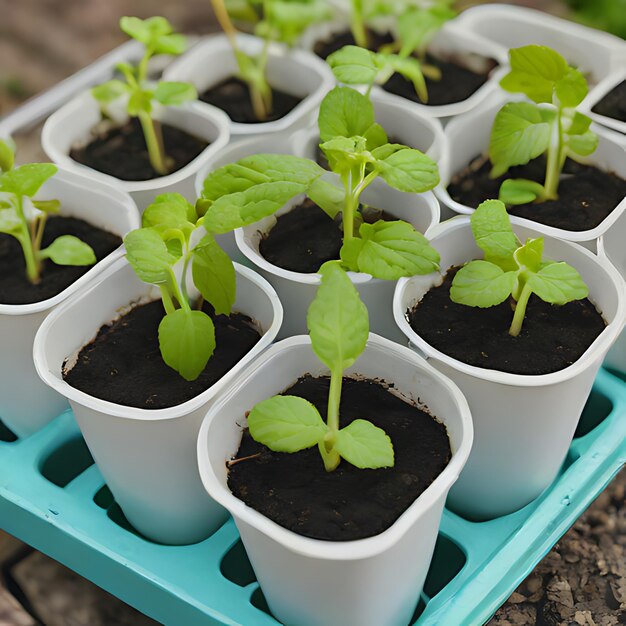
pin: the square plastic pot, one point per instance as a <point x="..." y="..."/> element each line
<point x="147" y="457"/>
<point x="369" y="582"/>
<point x="468" y="136"/>
<point x="607" y="84"/>
<point x="296" y="290"/>
<point x="523" y="424"/>
<point x="294" y="71"/>
<point x="26" y="404"/>
<point x="73" y="123"/>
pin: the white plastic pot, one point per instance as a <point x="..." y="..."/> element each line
<point x="147" y="457"/>
<point x="369" y="582"/>
<point x="297" y="290"/>
<point x="72" y="125"/>
<point x="26" y="404"/>
<point x="612" y="246"/>
<point x="523" y="424"/>
<point x="592" y="51"/>
<point x="276" y="143"/>
<point x="295" y="71"/>
<point x="468" y="136"/>
<point x="607" y="84"/>
<point x="400" y="119"/>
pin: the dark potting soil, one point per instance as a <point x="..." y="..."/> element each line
<point x="326" y="47"/>
<point x="586" y="194"/>
<point x="614" y="103"/>
<point x="121" y="151"/>
<point x="552" y="337"/>
<point x="295" y="491"/>
<point x="303" y="239"/>
<point x="123" y="363"/>
<point x="233" y="96"/>
<point x="15" y="287"/>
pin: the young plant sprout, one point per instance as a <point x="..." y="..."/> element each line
<point x="511" y="269"/>
<point x="158" y="37"/>
<point x="338" y="326"/>
<point x="275" y="20"/>
<point x="523" y="131"/>
<point x="160" y="253"/>
<point x="25" y="219"/>
<point x="242" y="193"/>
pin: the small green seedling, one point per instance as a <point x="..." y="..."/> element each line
<point x="523" y="131"/>
<point x="158" y="37"/>
<point x="25" y="219"/>
<point x="338" y="326"/>
<point x="161" y="253"/>
<point x="255" y="187"/>
<point x="511" y="269"/>
<point x="274" y="20"/>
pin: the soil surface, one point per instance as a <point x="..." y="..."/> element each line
<point x="614" y="103"/>
<point x="232" y="95"/>
<point x="587" y="195"/>
<point x="552" y="337"/>
<point x="297" y="492"/>
<point x="123" y="363"/>
<point x="121" y="151"/>
<point x="15" y="287"/>
<point x="305" y="238"/>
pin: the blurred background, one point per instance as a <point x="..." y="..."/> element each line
<point x="581" y="582"/>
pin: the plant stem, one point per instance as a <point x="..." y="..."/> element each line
<point x="329" y="455"/>
<point x="520" y="311"/>
<point x="221" y="13"/>
<point x="358" y="26"/>
<point x="155" y="150"/>
<point x="40" y="226"/>
<point x="554" y="164"/>
<point x="168" y="303"/>
<point x="32" y="264"/>
<point x="175" y="287"/>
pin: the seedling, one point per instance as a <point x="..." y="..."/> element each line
<point x="25" y="219"/>
<point x="242" y="193"/>
<point x="338" y="326"/>
<point x="158" y="37"/>
<point x="523" y="131"/>
<point x="511" y="269"/>
<point x="274" y="20"/>
<point x="161" y="253"/>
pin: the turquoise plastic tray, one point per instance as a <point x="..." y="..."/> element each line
<point x="53" y="498"/>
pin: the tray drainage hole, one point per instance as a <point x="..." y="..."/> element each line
<point x="448" y="561"/>
<point x="258" y="600"/>
<point x="236" y="567"/>
<point x="104" y="498"/>
<point x="596" y="410"/>
<point x="6" y="434"/>
<point x="67" y="462"/>
<point x="419" y="609"/>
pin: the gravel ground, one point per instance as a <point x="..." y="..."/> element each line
<point x="582" y="581"/>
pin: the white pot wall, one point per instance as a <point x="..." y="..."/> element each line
<point x="294" y="71"/>
<point x="523" y="424"/>
<point x="369" y="582"/>
<point x="602" y="89"/>
<point x="146" y="457"/>
<point x="296" y="290"/>
<point x="72" y="125"/>
<point x="468" y="136"/>
<point x="26" y="404"/>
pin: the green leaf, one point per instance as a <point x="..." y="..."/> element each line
<point x="584" y="144"/>
<point x="354" y="66"/>
<point x="344" y="112"/>
<point x="520" y="191"/>
<point x="411" y="69"/>
<point x="52" y="207"/>
<point x="27" y="179"/>
<point x="214" y="275"/>
<point x="579" y="125"/>
<point x="69" y="250"/>
<point x="110" y="91"/>
<point x="169" y="211"/>
<point x="174" y="94"/>
<point x="343" y="153"/>
<point x="287" y="20"/>
<point x="534" y="72"/>
<point x="187" y="341"/>
<point x="558" y="283"/>
<point x="145" y="30"/>
<point x="286" y="424"/>
<point x="364" y="445"/>
<point x="173" y="44"/>
<point x="149" y="256"/>
<point x="519" y="134"/>
<point x="10" y="222"/>
<point x="140" y="101"/>
<point x="417" y="27"/>
<point x="337" y="320"/>
<point x="330" y="198"/>
<point x="409" y="170"/>
<point x="391" y="250"/>
<point x="491" y="227"/>
<point x="7" y="155"/>
<point x="375" y="136"/>
<point x="529" y="255"/>
<point x="572" y="88"/>
<point x="482" y="284"/>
